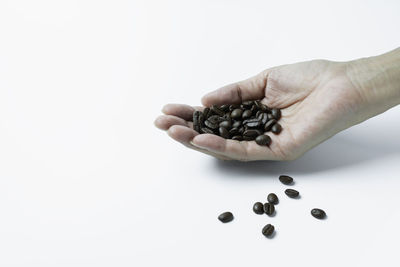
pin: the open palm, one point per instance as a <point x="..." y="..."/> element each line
<point x="317" y="100"/>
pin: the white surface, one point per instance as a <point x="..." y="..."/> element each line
<point x="86" y="180"/>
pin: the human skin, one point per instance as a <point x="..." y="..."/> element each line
<point x="318" y="99"/>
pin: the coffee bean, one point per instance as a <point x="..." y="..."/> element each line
<point x="224" y="108"/>
<point x="223" y="132"/>
<point x="268" y="230"/>
<point x="233" y="106"/>
<point x="273" y="199"/>
<point x="263" y="140"/>
<point x="226" y="124"/>
<point x="211" y="125"/>
<point x="236" y="124"/>
<point x="225" y="217"/>
<point x="241" y="130"/>
<point x="270" y="117"/>
<point x="276" y="113"/>
<point x="253" y="109"/>
<point x="246" y="114"/>
<point x="287" y="180"/>
<point x="252" y="133"/>
<point x="234" y="131"/>
<point x="247" y="103"/>
<point x="318" y="213"/>
<point x="264" y="118"/>
<point x="269" y="124"/>
<point x="196" y="124"/>
<point x="237" y="138"/>
<point x="248" y="138"/>
<point x="276" y="128"/>
<point x="253" y="123"/>
<point x="258" y="114"/>
<point x="206" y="113"/>
<point x="258" y="208"/>
<point x="269" y="208"/>
<point x="215" y="119"/>
<point x="236" y="113"/>
<point x="205" y="130"/>
<point x="292" y="193"/>
<point x="217" y="111"/>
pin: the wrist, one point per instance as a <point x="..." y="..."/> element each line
<point x="377" y="79"/>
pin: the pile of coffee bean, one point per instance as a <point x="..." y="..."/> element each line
<point x="269" y="207"/>
<point x="242" y="122"/>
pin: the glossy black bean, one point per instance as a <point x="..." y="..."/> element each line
<point x="211" y="125"/>
<point x="285" y="179"/>
<point x="236" y="113"/>
<point x="268" y="230"/>
<point x="225" y="217"/>
<point x="263" y="140"/>
<point x="258" y="208"/>
<point x="273" y="198"/>
<point x="226" y="124"/>
<point x="292" y="193"/>
<point x="252" y="133"/>
<point x="237" y="138"/>
<point x="269" y="124"/>
<point x="234" y="131"/>
<point x="276" y="113"/>
<point x="276" y="128"/>
<point x="217" y="111"/>
<point x="223" y="132"/>
<point x="237" y="124"/>
<point x="205" y="130"/>
<point x="269" y="208"/>
<point x="318" y="213"/>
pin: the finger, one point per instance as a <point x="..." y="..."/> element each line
<point x="244" y="150"/>
<point x="164" y="122"/>
<point x="184" y="135"/>
<point x="180" y="110"/>
<point x="250" y="89"/>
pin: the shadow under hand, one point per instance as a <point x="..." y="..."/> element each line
<point x="340" y="151"/>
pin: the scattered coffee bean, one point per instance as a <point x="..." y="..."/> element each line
<point x="258" y="208"/>
<point x="263" y="140"/>
<point x="276" y="128"/>
<point x="268" y="230"/>
<point x="292" y="193"/>
<point x="269" y="208"/>
<point x="273" y="199"/>
<point x="225" y="217"/>
<point x="268" y="125"/>
<point x="287" y="180"/>
<point x="318" y="213"/>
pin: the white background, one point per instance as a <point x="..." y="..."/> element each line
<point x="87" y="180"/>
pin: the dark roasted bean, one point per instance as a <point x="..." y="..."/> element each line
<point x="224" y="108"/>
<point x="196" y="123"/>
<point x="211" y="125"/>
<point x="226" y="124"/>
<point x="246" y="114"/>
<point x="237" y="124"/>
<point x="270" y="117"/>
<point x="268" y="230"/>
<point x="255" y="123"/>
<point x="252" y="133"/>
<point x="234" y="131"/>
<point x="269" y="124"/>
<point x="217" y="111"/>
<point x="269" y="208"/>
<point x="292" y="193"/>
<point x="285" y="179"/>
<point x="201" y="119"/>
<point x="273" y="199"/>
<point x="241" y="130"/>
<point x="206" y="113"/>
<point x="258" y="114"/>
<point x="276" y="113"/>
<point x="215" y="119"/>
<point x="276" y="128"/>
<point x="258" y="208"/>
<point x="236" y="113"/>
<point x="233" y="106"/>
<point x="225" y="217"/>
<point x="264" y="118"/>
<point x="263" y="140"/>
<point x="247" y="103"/>
<point x="205" y="130"/>
<point x="223" y="132"/>
<point x="253" y="109"/>
<point x="237" y="138"/>
<point x="318" y="213"/>
<point x="248" y="138"/>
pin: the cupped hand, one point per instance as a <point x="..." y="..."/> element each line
<point x="317" y="100"/>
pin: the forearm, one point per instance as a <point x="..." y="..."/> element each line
<point x="378" y="81"/>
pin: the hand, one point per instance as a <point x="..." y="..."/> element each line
<point x="318" y="99"/>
